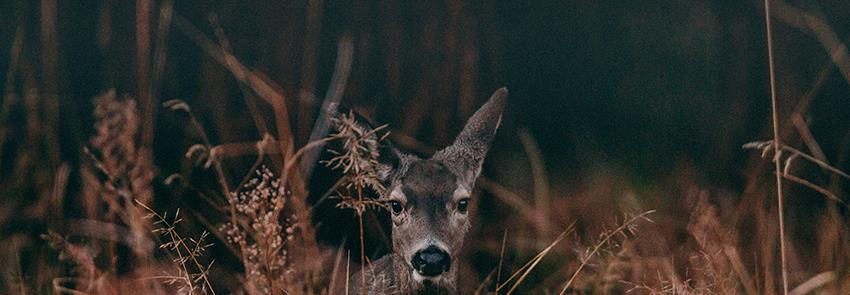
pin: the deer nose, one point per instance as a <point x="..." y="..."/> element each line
<point x="431" y="262"/>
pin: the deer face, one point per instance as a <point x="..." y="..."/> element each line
<point x="429" y="206"/>
<point x="429" y="199"/>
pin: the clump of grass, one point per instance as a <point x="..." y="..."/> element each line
<point x="718" y="266"/>
<point x="262" y="232"/>
<point x="118" y="176"/>
<point x="712" y="265"/>
<point x="192" y="274"/>
<point x="259" y="226"/>
<point x="519" y="276"/>
<point x="120" y="171"/>
<point x="118" y="182"/>
<point x="606" y="246"/>
<point x="606" y="242"/>
<point x="359" y="161"/>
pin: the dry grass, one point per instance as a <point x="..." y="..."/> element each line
<point x="241" y="223"/>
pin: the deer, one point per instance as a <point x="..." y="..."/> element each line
<point x="429" y="201"/>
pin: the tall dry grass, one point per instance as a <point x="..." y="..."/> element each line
<point x="111" y="222"/>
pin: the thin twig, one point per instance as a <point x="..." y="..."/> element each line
<point x="261" y="155"/>
<point x="765" y="147"/>
<point x="501" y="260"/>
<point x="362" y="243"/>
<point x="483" y="285"/>
<point x="776" y="145"/>
<point x="539" y="257"/>
<point x="811" y="158"/>
<point x="221" y="176"/>
<point x="815" y="187"/>
<point x="347" y="271"/>
<point x="808" y="137"/>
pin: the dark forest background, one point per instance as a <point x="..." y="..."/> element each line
<point x="628" y="105"/>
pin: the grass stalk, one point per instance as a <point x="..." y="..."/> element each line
<point x="776" y="146"/>
<point x="501" y="260"/>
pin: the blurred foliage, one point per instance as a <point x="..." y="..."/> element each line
<point x="631" y="103"/>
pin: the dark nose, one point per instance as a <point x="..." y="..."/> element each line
<point x="431" y="262"/>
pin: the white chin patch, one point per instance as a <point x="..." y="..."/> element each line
<point x="417" y="277"/>
<point x="420" y="278"/>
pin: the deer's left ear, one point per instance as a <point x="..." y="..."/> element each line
<point x="466" y="154"/>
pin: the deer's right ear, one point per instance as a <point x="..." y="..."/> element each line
<point x="467" y="153"/>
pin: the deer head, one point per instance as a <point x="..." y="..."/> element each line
<point x="429" y="198"/>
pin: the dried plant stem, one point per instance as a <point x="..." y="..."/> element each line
<point x="814" y="187"/>
<point x="221" y="177"/>
<point x="362" y="242"/>
<point x="166" y="11"/>
<point x="806" y="134"/>
<point x="313" y="145"/>
<point x="247" y="95"/>
<point x="818" y="28"/>
<point x="767" y="146"/>
<point x="501" y="260"/>
<point x="271" y="94"/>
<point x="530" y="265"/>
<point x="261" y="152"/>
<point x="179" y="242"/>
<point x="337" y="262"/>
<point x="812" y="159"/>
<point x="541" y="183"/>
<point x="143" y="42"/>
<point x="776" y="146"/>
<point x="483" y="285"/>
<point x="515" y="201"/>
<point x="814" y="282"/>
<point x="347" y="270"/>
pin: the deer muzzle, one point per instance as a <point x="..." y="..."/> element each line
<point x="431" y="261"/>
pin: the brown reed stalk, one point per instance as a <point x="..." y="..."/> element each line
<point x="776" y="145"/>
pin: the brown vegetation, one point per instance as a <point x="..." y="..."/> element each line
<point x="136" y="192"/>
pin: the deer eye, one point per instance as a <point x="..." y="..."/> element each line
<point x="463" y="205"/>
<point x="396" y="207"/>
